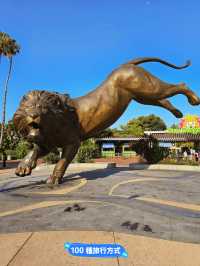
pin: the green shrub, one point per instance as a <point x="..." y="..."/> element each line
<point x="152" y="154"/>
<point x="86" y="152"/>
<point x="52" y="157"/>
<point x="22" y="149"/>
<point x="179" y="162"/>
<point x="156" y="154"/>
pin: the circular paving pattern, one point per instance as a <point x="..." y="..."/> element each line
<point x="160" y="204"/>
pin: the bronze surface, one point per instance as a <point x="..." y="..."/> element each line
<point x="49" y="120"/>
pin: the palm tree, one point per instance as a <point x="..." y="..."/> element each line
<point x="1" y="44"/>
<point x="8" y="48"/>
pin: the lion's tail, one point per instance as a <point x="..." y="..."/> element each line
<point x="142" y="60"/>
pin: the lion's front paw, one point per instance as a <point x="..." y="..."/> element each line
<point x="23" y="170"/>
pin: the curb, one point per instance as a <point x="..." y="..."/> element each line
<point x="169" y="167"/>
<point x="132" y="166"/>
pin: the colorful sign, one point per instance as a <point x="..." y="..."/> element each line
<point x="188" y="124"/>
<point x="190" y="121"/>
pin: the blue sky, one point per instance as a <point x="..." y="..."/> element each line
<point x="71" y="46"/>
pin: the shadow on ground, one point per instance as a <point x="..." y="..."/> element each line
<point x="89" y="175"/>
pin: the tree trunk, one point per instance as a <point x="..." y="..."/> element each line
<point x="4" y="158"/>
<point x="4" y="102"/>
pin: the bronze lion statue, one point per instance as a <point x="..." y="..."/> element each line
<point x="49" y="119"/>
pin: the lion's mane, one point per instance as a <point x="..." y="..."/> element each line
<point x="39" y="102"/>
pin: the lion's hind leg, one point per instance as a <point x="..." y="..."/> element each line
<point x="162" y="103"/>
<point x="193" y="99"/>
<point x="167" y="105"/>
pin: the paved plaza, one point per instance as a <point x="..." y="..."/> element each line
<point x="145" y="205"/>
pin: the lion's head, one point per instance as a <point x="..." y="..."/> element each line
<point x="42" y="116"/>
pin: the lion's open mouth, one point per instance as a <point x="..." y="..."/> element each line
<point x="34" y="134"/>
<point x="34" y="125"/>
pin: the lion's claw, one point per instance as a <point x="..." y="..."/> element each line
<point x="23" y="170"/>
<point x="51" y="180"/>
